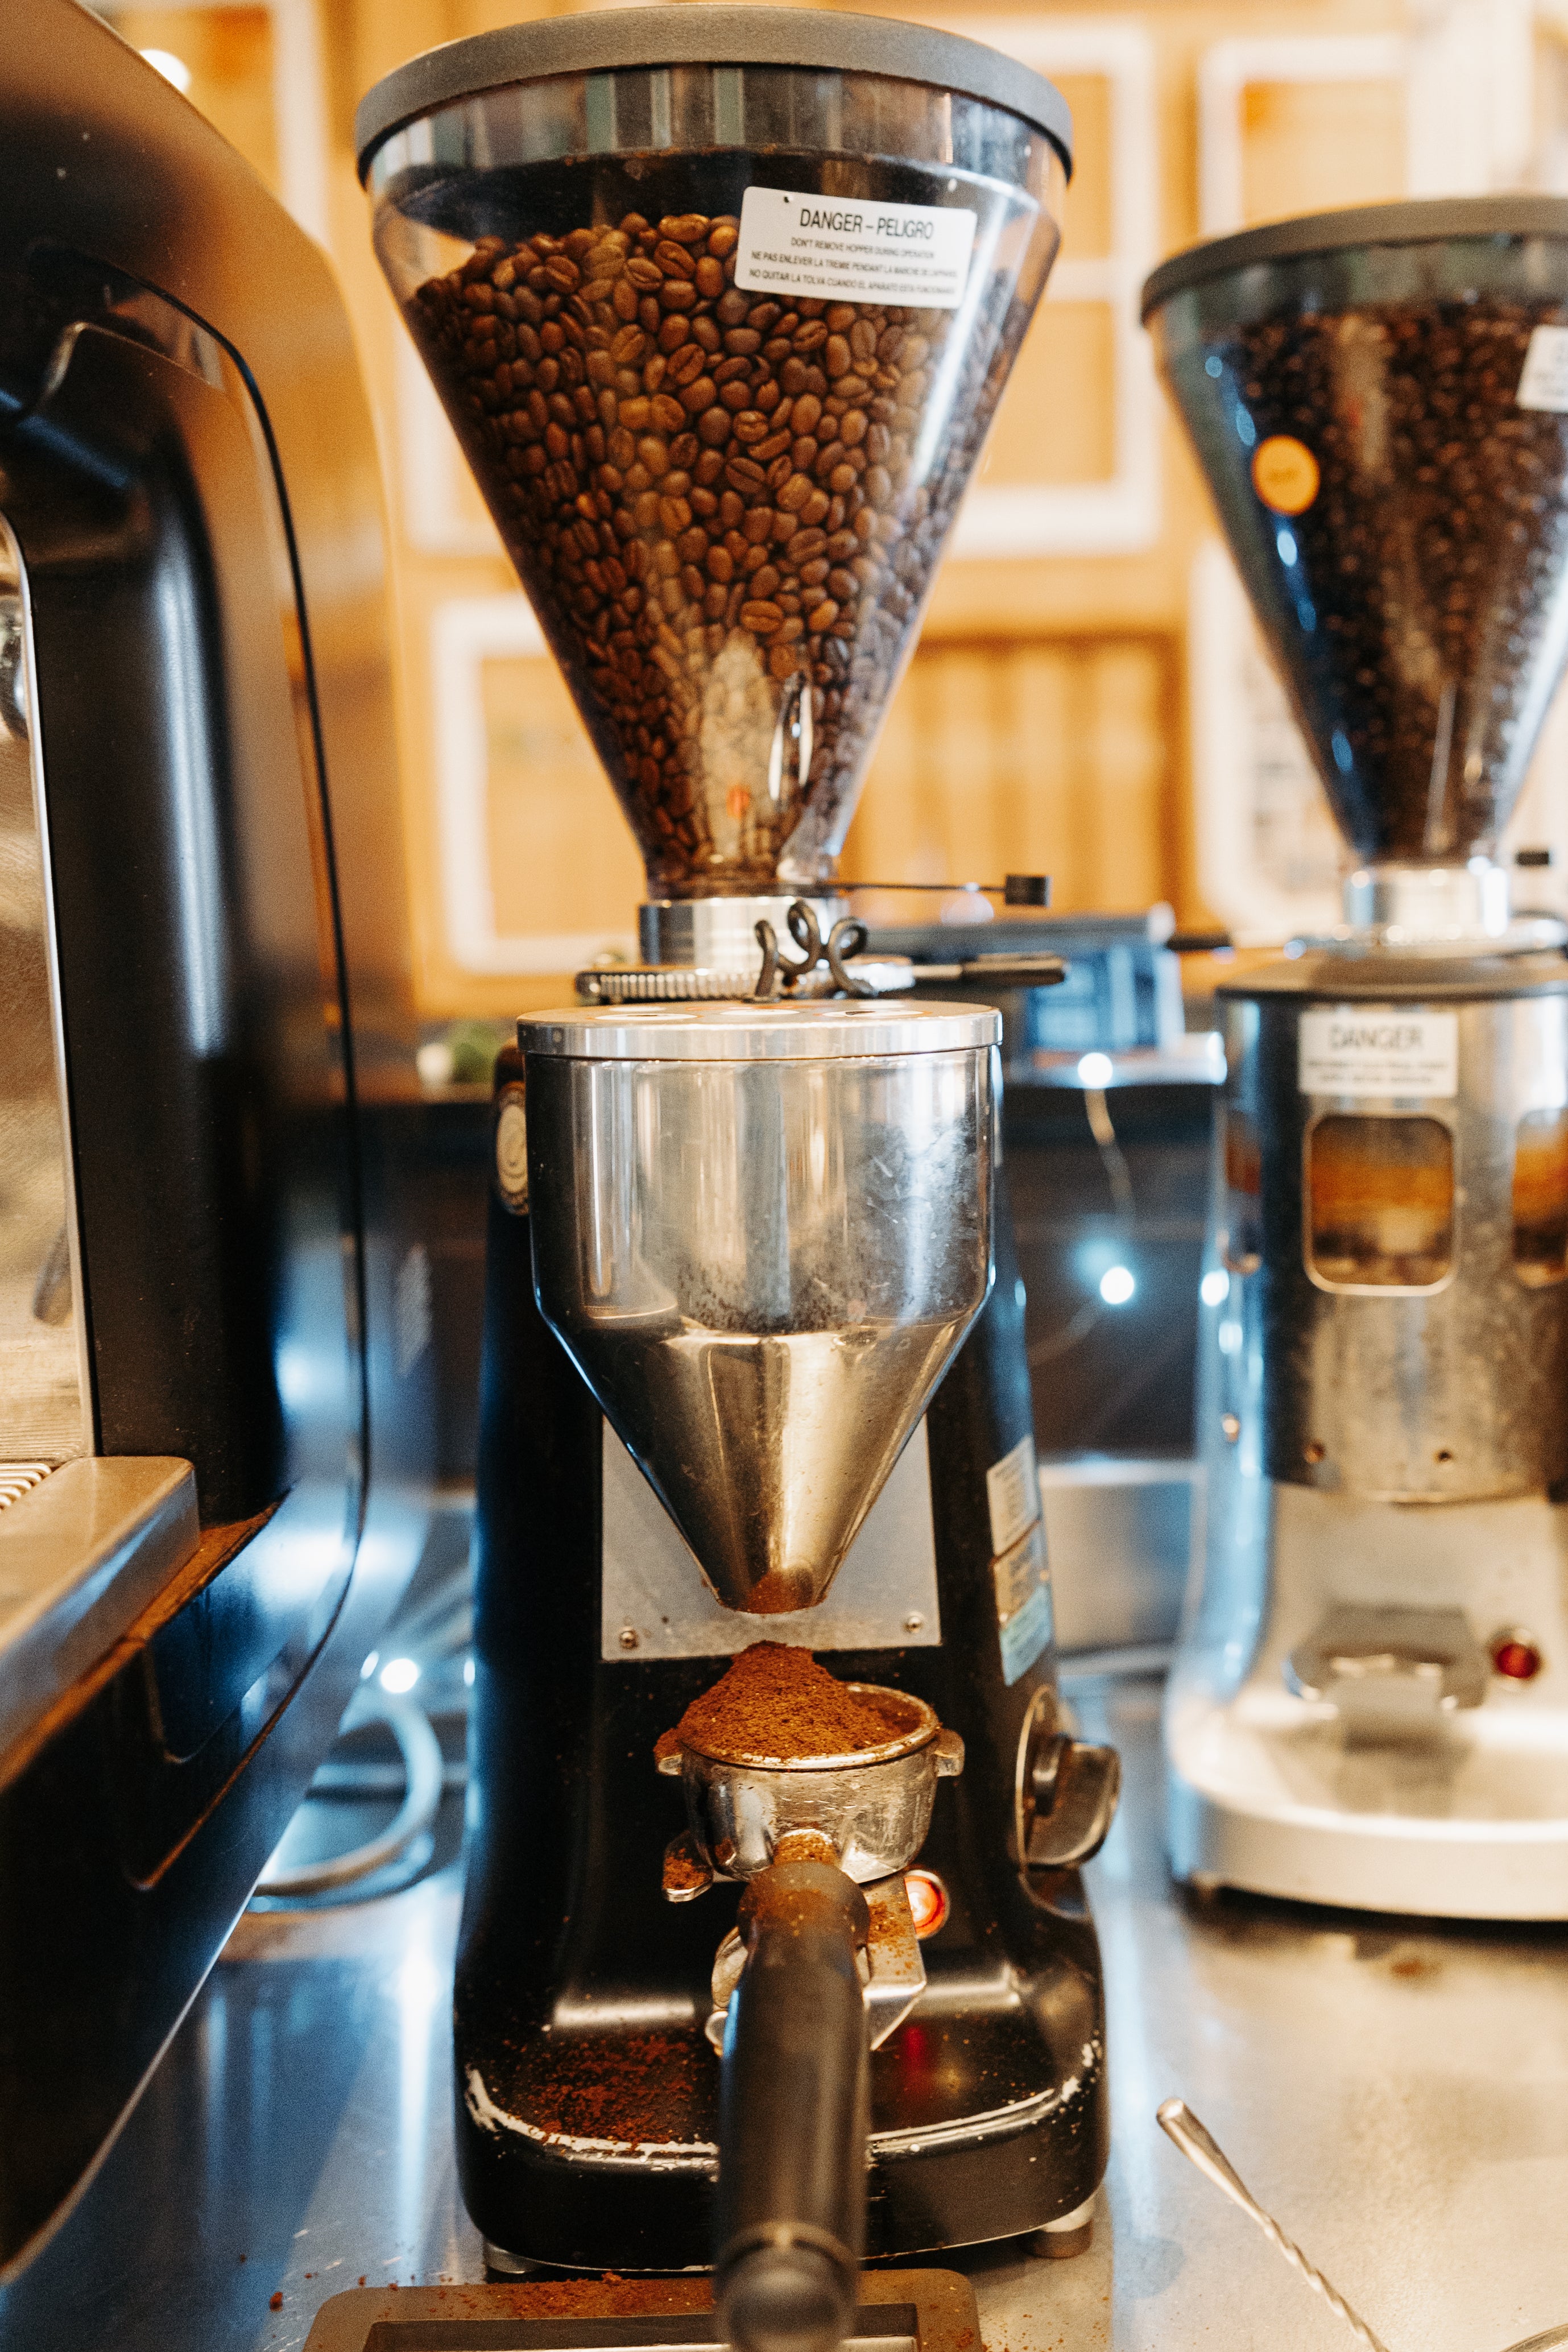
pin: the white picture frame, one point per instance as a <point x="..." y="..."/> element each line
<point x="465" y="634"/>
<point x="1121" y="515"/>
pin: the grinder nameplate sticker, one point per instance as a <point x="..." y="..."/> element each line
<point x="853" y="249"/>
<point x="1351" y="1051"/>
<point x="1025" y="1617"/>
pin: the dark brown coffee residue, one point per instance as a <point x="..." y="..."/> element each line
<point x="777" y="1703"/>
<point x="684" y="1870"/>
<point x="635" y="2089"/>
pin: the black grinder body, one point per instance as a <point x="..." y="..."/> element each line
<point x="588" y="2094"/>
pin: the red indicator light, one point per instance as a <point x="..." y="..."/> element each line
<point x="927" y="1901"/>
<point x="1516" y="1655"/>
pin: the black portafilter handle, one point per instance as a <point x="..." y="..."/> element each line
<point x="792" y="2116"/>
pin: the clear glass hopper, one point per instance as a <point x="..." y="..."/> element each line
<point x="1379" y="403"/>
<point x="725" y="459"/>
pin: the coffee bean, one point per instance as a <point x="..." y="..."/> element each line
<point x="689" y="360"/>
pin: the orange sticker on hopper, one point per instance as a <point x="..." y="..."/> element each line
<point x="1285" y="474"/>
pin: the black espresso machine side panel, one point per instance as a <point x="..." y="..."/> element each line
<point x="188" y="496"/>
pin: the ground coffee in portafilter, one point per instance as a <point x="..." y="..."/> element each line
<point x="716" y="500"/>
<point x="1417" y="522"/>
<point x="776" y="1701"/>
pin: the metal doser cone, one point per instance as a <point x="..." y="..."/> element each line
<point x="763" y="1268"/>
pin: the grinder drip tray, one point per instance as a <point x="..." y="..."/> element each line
<point x="899" y="2311"/>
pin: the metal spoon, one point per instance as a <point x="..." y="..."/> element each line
<point x="1178" y="2122"/>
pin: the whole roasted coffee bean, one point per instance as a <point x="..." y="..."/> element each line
<point x="711" y="494"/>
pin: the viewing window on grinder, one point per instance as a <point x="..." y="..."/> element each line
<point x="1380" y="1201"/>
<point x="1540" y="1197"/>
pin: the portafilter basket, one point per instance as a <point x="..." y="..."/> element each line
<point x="873" y="1805"/>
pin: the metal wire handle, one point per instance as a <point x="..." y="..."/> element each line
<point x="1177" y="2121"/>
<point x="847" y="938"/>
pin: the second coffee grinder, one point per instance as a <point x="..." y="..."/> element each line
<point x="720" y="302"/>
<point x="1370" y="1706"/>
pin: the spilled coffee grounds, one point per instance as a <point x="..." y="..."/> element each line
<point x="778" y="1703"/>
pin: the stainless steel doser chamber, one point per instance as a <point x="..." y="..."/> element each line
<point x="1395" y="1324"/>
<point x="761" y="1233"/>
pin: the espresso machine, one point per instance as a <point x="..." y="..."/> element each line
<point x="215" y="1386"/>
<point x="1370" y="1702"/>
<point x="720" y="302"/>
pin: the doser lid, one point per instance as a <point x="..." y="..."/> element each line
<point x="759" y="1032"/>
<point x="1435" y="221"/>
<point x="619" y="40"/>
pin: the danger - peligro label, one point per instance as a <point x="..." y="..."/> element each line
<point x="1349" y="1052"/>
<point x="848" y="249"/>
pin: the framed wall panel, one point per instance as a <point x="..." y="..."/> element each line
<point x="1051" y="753"/>
<point x="1072" y="465"/>
<point x="539" y="874"/>
<point x="1253" y="92"/>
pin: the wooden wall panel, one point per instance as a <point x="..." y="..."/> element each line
<point x="1291" y="128"/>
<point x="561" y="858"/>
<point x="1053" y="755"/>
<point x="1056" y="421"/>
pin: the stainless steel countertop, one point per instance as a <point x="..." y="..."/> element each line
<point x="1398" y="2097"/>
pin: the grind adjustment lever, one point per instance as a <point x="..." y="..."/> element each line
<point x="1067" y="1793"/>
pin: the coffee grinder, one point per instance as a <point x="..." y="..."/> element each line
<point x="720" y="302"/>
<point x="1370" y="1702"/>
